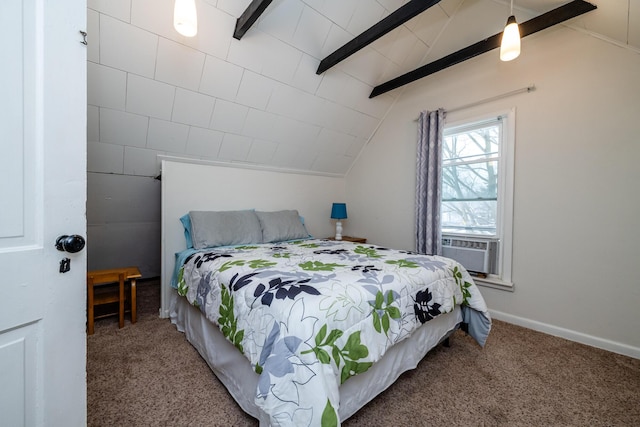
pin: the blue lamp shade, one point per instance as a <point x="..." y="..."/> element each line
<point x="339" y="211"/>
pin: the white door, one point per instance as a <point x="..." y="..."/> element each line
<point x="42" y="196"/>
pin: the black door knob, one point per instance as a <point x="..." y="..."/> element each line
<point x="71" y="244"/>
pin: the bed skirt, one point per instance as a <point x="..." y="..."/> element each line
<point x="236" y="373"/>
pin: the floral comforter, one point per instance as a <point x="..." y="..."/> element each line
<point x="313" y="313"/>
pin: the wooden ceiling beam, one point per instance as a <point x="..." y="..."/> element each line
<point x="249" y="17"/>
<point x="394" y="20"/>
<point x="539" y="23"/>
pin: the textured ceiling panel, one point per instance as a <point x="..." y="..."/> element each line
<point x="259" y="99"/>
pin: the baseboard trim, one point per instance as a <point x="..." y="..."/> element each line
<point x="568" y="334"/>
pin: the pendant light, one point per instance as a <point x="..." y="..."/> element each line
<point x="185" y="18"/>
<point x="510" y="45"/>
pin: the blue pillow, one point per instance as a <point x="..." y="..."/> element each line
<point x="186" y="223"/>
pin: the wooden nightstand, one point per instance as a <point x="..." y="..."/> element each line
<point x="351" y="239"/>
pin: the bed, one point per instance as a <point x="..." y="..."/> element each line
<point x="301" y="330"/>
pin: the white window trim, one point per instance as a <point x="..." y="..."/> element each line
<point x="505" y="194"/>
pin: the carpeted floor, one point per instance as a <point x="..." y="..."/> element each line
<point x="147" y="374"/>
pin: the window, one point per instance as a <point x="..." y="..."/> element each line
<point x="477" y="188"/>
<point x="470" y="161"/>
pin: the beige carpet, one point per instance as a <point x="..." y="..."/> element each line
<point x="147" y="374"/>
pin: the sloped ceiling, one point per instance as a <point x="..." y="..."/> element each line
<point x="258" y="100"/>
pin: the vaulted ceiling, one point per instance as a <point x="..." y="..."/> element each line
<point x="259" y="100"/>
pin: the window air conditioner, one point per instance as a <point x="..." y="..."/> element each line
<point x="476" y="255"/>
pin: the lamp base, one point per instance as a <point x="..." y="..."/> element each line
<point x="338" y="230"/>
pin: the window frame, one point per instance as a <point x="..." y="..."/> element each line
<point x="506" y="177"/>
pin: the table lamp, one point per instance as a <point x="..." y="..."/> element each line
<point x="339" y="212"/>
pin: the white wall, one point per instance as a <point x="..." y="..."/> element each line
<point x="577" y="201"/>
<point x="123" y="222"/>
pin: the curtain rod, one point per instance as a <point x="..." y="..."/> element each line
<point x="493" y="98"/>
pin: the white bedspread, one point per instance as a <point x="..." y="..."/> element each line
<point x="309" y="315"/>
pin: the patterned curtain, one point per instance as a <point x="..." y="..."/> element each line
<point x="429" y="182"/>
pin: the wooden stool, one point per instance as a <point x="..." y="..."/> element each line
<point x="101" y="278"/>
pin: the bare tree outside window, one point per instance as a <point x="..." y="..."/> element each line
<point x="470" y="179"/>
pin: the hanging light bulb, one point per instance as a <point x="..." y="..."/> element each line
<point x="510" y="45"/>
<point x="185" y="18"/>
